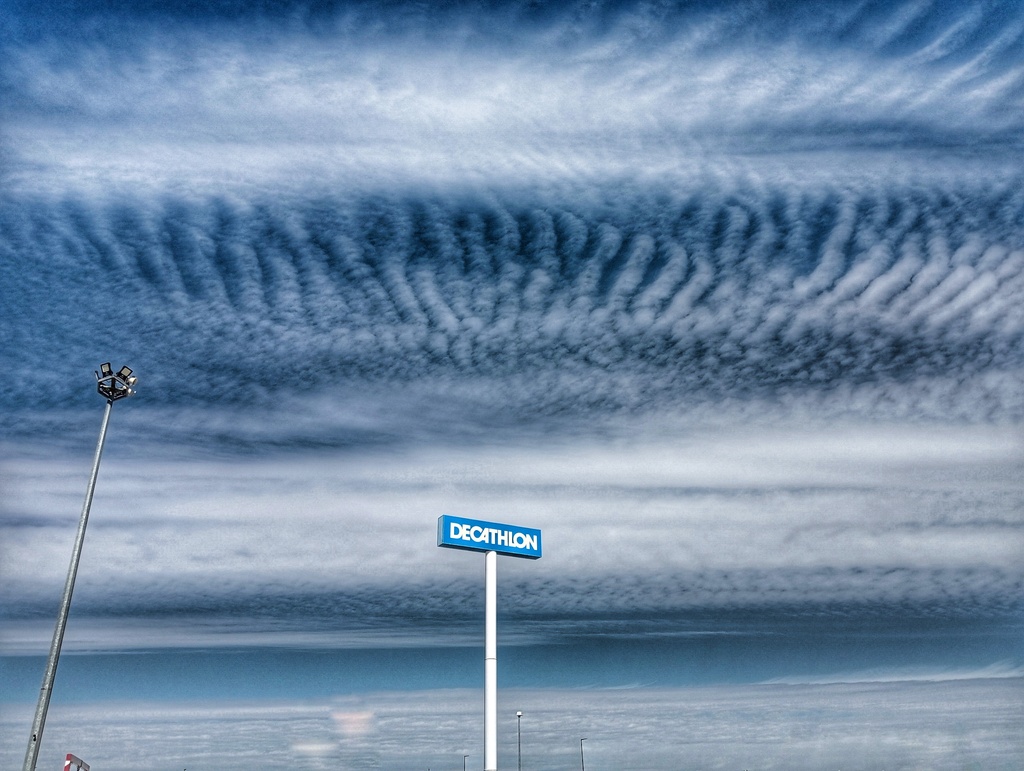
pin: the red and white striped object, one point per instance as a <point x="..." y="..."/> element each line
<point x="80" y="764"/>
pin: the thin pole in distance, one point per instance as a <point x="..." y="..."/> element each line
<point x="582" y="767"/>
<point x="519" y="739"/>
<point x="112" y="386"/>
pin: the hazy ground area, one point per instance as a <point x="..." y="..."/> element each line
<point x="939" y="726"/>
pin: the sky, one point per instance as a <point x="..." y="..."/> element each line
<point x="726" y="298"/>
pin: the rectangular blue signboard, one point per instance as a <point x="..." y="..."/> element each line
<point x="477" y="535"/>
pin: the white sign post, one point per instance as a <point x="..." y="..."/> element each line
<point x="492" y="538"/>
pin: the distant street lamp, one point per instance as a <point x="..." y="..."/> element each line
<point x="519" y="738"/>
<point x="112" y="386"/>
<point x="464" y="762"/>
<point x="582" y="767"/>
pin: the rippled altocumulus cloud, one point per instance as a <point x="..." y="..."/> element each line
<point x="482" y="215"/>
<point x="344" y="321"/>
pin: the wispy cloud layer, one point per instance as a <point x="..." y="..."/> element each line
<point x="362" y="94"/>
<point x="923" y="524"/>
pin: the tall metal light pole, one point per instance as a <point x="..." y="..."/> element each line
<point x="112" y="386"/>
<point x="582" y="767"/>
<point x="464" y="762"/>
<point x="519" y="738"/>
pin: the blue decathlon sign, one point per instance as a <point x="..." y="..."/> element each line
<point x="477" y="535"/>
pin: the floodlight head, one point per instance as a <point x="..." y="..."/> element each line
<point x="114" y="387"/>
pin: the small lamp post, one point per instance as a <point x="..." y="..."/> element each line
<point x="582" y="766"/>
<point x="112" y="386"/>
<point x="519" y="738"/>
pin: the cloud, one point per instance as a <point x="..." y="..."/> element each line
<point x="340" y="321"/>
<point x="1000" y="670"/>
<point x="373" y="95"/>
<point x="350" y="225"/>
<point x="920" y="523"/>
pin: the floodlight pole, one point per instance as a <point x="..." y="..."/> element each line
<point x="491" y="662"/>
<point x="113" y="387"/>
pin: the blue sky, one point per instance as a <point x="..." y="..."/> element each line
<point x="724" y="297"/>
